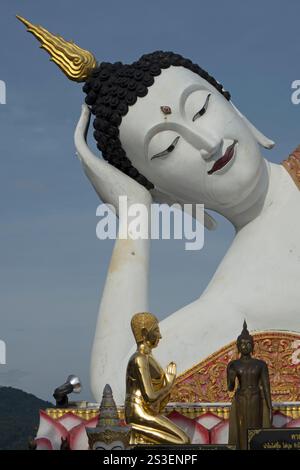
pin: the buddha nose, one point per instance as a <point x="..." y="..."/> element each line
<point x="210" y="151"/>
<point x="207" y="142"/>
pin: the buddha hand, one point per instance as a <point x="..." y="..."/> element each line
<point x="171" y="374"/>
<point x="108" y="182"/>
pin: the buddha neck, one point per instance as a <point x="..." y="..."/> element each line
<point x="250" y="207"/>
<point x="246" y="357"/>
<point x="143" y="348"/>
<point x="271" y="188"/>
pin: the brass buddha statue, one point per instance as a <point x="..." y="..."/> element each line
<point x="252" y="405"/>
<point x="148" y="388"/>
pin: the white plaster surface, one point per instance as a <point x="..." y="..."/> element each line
<point x="258" y="279"/>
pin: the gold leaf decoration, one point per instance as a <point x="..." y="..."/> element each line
<point x="207" y="382"/>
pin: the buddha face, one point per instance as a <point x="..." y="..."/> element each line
<point x="153" y="336"/>
<point x="189" y="141"/>
<point x="245" y="346"/>
<point x="114" y="445"/>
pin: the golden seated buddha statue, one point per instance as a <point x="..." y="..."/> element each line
<point x="148" y="388"/>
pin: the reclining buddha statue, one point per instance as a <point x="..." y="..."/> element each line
<point x="169" y="132"/>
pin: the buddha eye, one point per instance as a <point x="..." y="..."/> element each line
<point x="203" y="109"/>
<point x="168" y="150"/>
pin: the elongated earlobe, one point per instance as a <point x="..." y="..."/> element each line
<point x="260" y="138"/>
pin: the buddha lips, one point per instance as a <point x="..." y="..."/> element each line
<point x="223" y="160"/>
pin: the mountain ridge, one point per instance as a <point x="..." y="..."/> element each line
<point x="19" y="417"/>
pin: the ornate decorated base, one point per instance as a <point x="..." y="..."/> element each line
<point x="205" y="423"/>
<point x="200" y="401"/>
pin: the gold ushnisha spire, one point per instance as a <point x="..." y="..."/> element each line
<point x="76" y="63"/>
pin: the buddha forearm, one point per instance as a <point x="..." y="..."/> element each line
<point x="161" y="395"/>
<point x="126" y="287"/>
<point x="267" y="390"/>
<point x="230" y="378"/>
<point x="148" y="392"/>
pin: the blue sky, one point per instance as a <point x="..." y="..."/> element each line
<point x="52" y="266"/>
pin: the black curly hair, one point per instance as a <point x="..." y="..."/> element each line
<point x="112" y="88"/>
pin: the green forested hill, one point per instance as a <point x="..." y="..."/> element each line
<point x="19" y="417"/>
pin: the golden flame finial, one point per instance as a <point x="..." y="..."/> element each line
<point x="76" y="63"/>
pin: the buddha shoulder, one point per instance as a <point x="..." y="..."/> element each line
<point x="232" y="364"/>
<point x="138" y="359"/>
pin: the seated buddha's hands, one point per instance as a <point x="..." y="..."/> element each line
<point x="171" y="374"/>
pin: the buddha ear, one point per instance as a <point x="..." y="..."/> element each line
<point x="259" y="137"/>
<point x="144" y="332"/>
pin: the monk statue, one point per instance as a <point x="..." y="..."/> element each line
<point x="184" y="143"/>
<point x="148" y="388"/>
<point x="251" y="406"/>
